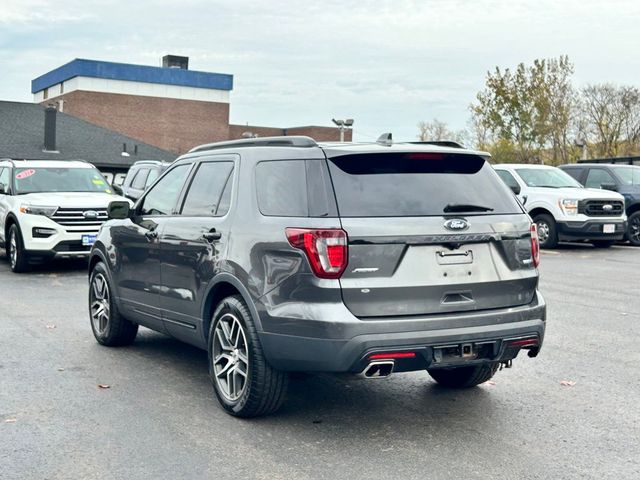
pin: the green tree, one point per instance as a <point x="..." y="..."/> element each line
<point x="529" y="108"/>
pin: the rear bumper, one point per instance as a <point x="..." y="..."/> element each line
<point x="591" y="230"/>
<point x="345" y="345"/>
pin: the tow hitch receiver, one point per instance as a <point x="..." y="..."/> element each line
<point x="465" y="351"/>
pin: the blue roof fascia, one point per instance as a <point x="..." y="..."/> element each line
<point x="133" y="73"/>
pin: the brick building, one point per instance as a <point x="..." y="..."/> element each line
<point x="170" y="107"/>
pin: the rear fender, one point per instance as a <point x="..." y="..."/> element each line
<point x="246" y="296"/>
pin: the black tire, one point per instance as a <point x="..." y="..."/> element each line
<point x="547" y="230"/>
<point x="464" y="377"/>
<point x="16" y="254"/>
<point x="112" y="330"/>
<point x="633" y="229"/>
<point x="603" y="243"/>
<point x="264" y="388"/>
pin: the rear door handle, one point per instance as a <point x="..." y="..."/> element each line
<point x="212" y="235"/>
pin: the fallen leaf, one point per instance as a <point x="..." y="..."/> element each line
<point x="61" y="369"/>
<point x="50" y="327"/>
<point x="104" y="386"/>
<point x="567" y="383"/>
<point x="10" y="420"/>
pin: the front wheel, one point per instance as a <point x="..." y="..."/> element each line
<point x="464" y="377"/>
<point x="245" y="384"/>
<point x="633" y="229"/>
<point x="18" y="260"/>
<point x="547" y="230"/>
<point x="109" y="327"/>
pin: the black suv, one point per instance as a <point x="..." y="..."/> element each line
<point x="281" y="254"/>
<point x="140" y="176"/>
<point x="624" y="179"/>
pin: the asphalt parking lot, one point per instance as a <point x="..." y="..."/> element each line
<point x="159" y="418"/>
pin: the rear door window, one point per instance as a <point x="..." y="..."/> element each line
<point x="418" y="184"/>
<point x="206" y="190"/>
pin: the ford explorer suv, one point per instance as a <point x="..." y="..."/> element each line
<point x="50" y="209"/>
<point x="562" y="209"/>
<point x="282" y="255"/>
<point x="624" y="179"/>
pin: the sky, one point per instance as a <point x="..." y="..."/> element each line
<point x="387" y="64"/>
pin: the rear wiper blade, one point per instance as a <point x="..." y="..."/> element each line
<point x="466" y="207"/>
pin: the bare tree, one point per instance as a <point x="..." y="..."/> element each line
<point x="436" y="130"/>
<point x="631" y="126"/>
<point x="611" y="115"/>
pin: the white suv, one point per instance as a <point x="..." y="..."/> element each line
<point x="50" y="209"/>
<point x="562" y="208"/>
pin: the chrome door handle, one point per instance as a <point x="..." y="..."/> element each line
<point x="151" y="234"/>
<point x="212" y="235"/>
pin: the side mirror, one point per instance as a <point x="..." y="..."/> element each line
<point x="609" y="186"/>
<point x="117" y="189"/>
<point x="524" y="200"/>
<point x="118" y="210"/>
<point x="515" y="189"/>
<point x="3" y="189"/>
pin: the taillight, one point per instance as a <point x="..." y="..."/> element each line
<point x="535" y="245"/>
<point x="326" y="249"/>
<point x="524" y="342"/>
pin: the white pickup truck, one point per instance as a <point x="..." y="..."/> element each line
<point x="50" y="209"/>
<point x="563" y="209"/>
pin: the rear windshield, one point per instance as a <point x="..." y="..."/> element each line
<point x="418" y="184"/>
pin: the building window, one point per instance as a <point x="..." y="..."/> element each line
<point x="45" y="93"/>
<point x="61" y="88"/>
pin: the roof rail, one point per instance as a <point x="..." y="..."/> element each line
<point x="440" y="143"/>
<point x="284" y="141"/>
<point x="614" y="160"/>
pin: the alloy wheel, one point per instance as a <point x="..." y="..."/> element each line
<point x="100" y="306"/>
<point x="634" y="230"/>
<point x="13" y="250"/>
<point x="230" y="357"/>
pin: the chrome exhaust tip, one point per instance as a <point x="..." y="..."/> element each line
<point x="379" y="369"/>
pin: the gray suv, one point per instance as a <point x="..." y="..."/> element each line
<point x="279" y="255"/>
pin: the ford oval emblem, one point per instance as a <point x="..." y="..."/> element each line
<point x="456" y="224"/>
<point x="90" y="214"/>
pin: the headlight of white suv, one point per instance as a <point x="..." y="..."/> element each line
<point x="38" y="210"/>
<point x="569" y="206"/>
